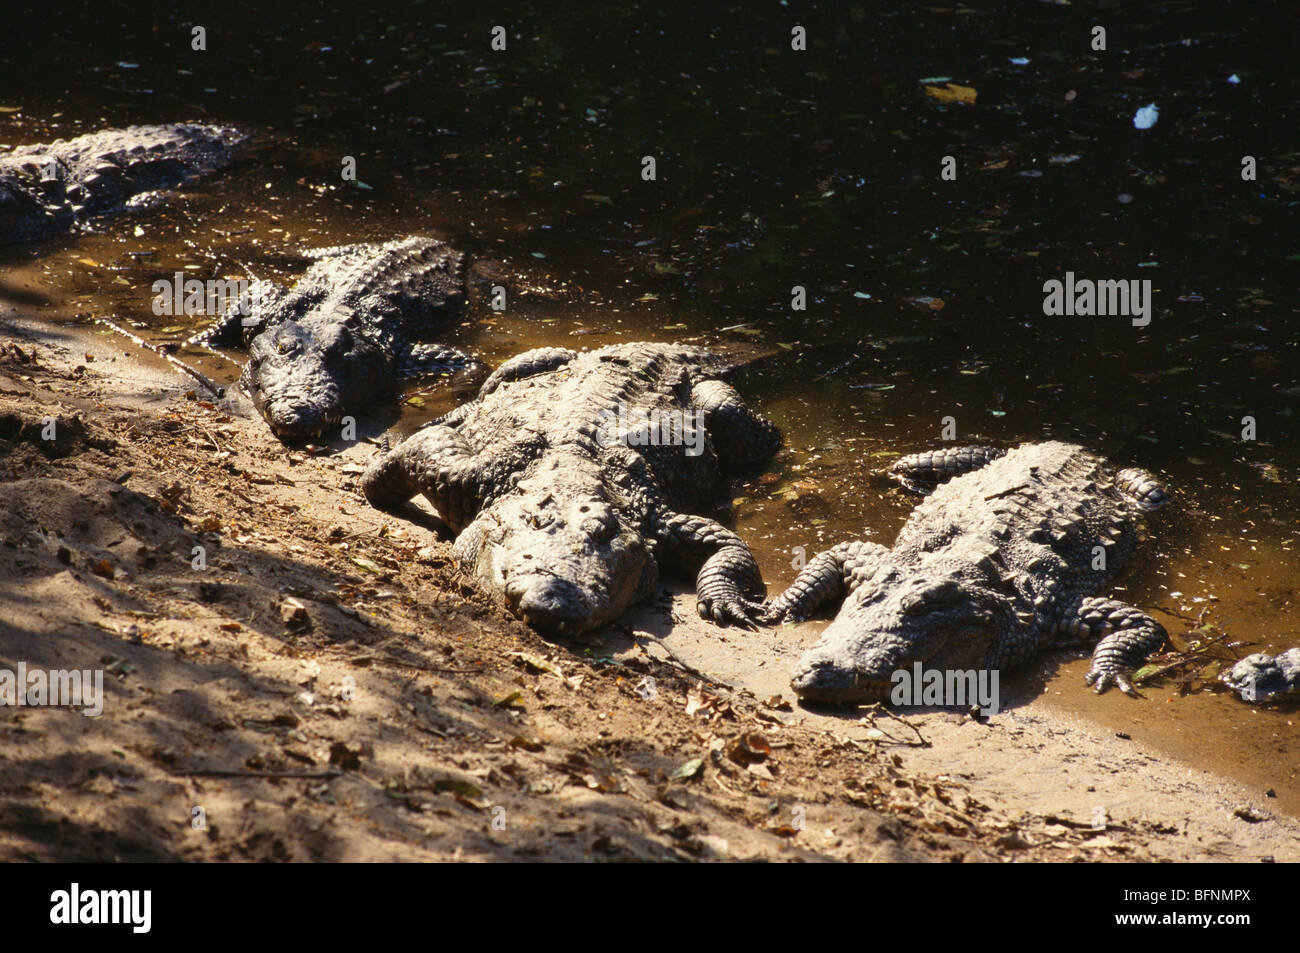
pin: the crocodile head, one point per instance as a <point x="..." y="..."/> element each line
<point x="302" y="375"/>
<point x="557" y="553"/>
<point x="942" y="621"/>
<point x="23" y="214"/>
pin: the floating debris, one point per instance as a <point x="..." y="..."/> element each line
<point x="1146" y="117"/>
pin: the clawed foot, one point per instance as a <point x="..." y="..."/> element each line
<point x="1103" y="677"/>
<point x="730" y="609"/>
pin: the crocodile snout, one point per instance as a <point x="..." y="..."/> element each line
<point x="549" y="604"/>
<point x="292" y="420"/>
<point x="823" y="682"/>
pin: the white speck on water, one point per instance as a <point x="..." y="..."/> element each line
<point x="1234" y="79"/>
<point x="1019" y="60"/>
<point x="1146" y="117"/>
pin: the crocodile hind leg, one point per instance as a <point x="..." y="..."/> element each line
<point x="1126" y="636"/>
<point x="728" y="575"/>
<point x="740" y="436"/>
<point x="922" y="472"/>
<point x="1142" y="487"/>
<point x="436" y="462"/>
<point x="831" y="575"/>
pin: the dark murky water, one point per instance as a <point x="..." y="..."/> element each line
<point x="779" y="168"/>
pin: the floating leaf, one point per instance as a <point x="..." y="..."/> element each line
<point x="952" y="93"/>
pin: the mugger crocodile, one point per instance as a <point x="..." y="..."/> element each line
<point x="1003" y="559"/>
<point x="1266" y="678"/>
<point x="570" y="481"/>
<point x="50" y="189"/>
<point x="347" y="333"/>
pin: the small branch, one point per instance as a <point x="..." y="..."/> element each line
<point x="302" y="775"/>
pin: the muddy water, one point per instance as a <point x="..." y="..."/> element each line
<point x="924" y="297"/>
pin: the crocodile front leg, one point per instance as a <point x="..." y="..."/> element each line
<point x="922" y="472"/>
<point x="1127" y="636"/>
<point x="436" y="462"/>
<point x="728" y="573"/>
<point x="831" y="575"/>
<point x="740" y="436"/>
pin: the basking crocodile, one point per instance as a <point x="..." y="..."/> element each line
<point x="1266" y="678"/>
<point x="1002" y="560"/>
<point x="347" y="332"/>
<point x="49" y="189"/>
<point x="570" y="480"/>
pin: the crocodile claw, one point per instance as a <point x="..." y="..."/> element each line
<point x="1103" y="678"/>
<point x="729" y="610"/>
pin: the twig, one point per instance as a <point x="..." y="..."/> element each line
<point x="179" y="365"/>
<point x="878" y="709"/>
<point x="307" y="775"/>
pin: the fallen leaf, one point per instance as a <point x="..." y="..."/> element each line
<point x="538" y="664"/>
<point x="688" y="770"/>
<point x="952" y="93"/>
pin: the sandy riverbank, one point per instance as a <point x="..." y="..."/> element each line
<point x="398" y="715"/>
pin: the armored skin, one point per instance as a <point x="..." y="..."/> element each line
<point x="1005" y="558"/>
<point x="50" y="189"/>
<point x="347" y="333"/>
<point x="1266" y="678"/>
<point x="567" y="503"/>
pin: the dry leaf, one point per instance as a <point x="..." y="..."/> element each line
<point x="952" y="93"/>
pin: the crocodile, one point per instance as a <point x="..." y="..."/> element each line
<point x="1004" y="558"/>
<point x="50" y="189"/>
<point x="1266" y="678"/>
<point x="570" y="479"/>
<point x="346" y="333"/>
